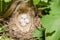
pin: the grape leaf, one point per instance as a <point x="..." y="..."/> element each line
<point x="38" y="33"/>
<point x="55" y="7"/>
<point x="51" y="23"/>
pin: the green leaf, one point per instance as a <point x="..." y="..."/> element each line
<point x="7" y="0"/>
<point x="55" y="7"/>
<point x="45" y="1"/>
<point x="52" y="23"/>
<point x="38" y="34"/>
<point x="35" y="2"/>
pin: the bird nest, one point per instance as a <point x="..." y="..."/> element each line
<point x="22" y="24"/>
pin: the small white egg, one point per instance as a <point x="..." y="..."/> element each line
<point x="27" y="20"/>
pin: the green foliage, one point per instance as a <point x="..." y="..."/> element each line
<point x="55" y="7"/>
<point x="35" y="2"/>
<point x="7" y="0"/>
<point x="5" y="38"/>
<point x="38" y="34"/>
<point x="4" y="6"/>
<point x="45" y="1"/>
<point x="1" y="29"/>
<point x="51" y="21"/>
